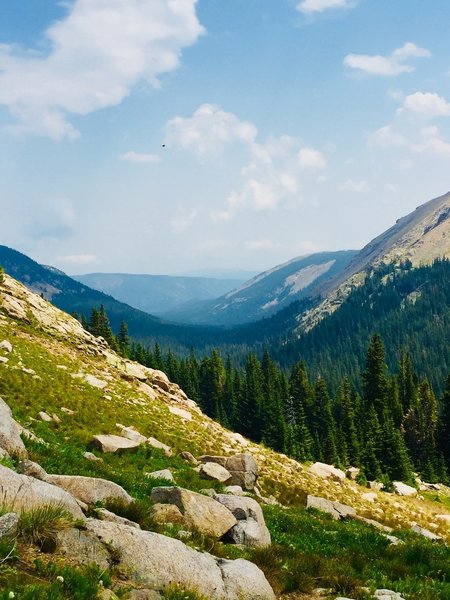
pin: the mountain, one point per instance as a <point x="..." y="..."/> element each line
<point x="60" y="388"/>
<point x="418" y="238"/>
<point x="157" y="294"/>
<point x="267" y="293"/>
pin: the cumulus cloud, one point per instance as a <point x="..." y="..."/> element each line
<point x="139" y="158"/>
<point x="97" y="54"/>
<point x="391" y="65"/>
<point x="78" y="259"/>
<point x="317" y="6"/>
<point x="309" y="158"/>
<point x="387" y="137"/>
<point x="427" y="104"/>
<point x="351" y="185"/>
<point x="432" y="143"/>
<point x="208" y="131"/>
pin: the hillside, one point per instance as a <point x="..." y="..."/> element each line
<point x="267" y="293"/>
<point x="157" y="294"/>
<point x="65" y="387"/>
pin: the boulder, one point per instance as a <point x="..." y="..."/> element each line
<point x="445" y="518"/>
<point x="132" y="434"/>
<point x="244" y="581"/>
<point x="90" y="456"/>
<point x="113" y="443"/>
<point x="95" y="381"/>
<point x="82" y="546"/>
<point x="89" y="489"/>
<point x="353" y="472"/>
<point x="402" y="489"/>
<point x="189" y="458"/>
<point x="387" y="595"/>
<point x="45" y="417"/>
<point x="6" y="346"/>
<point x="160" y="446"/>
<point x="160" y="379"/>
<point x="167" y="513"/>
<point x="426" y="533"/>
<point x="376" y="486"/>
<point x="32" y="469"/>
<point x="214" y="471"/>
<point x="10" y="431"/>
<point x="8" y="525"/>
<point x="20" y="492"/>
<point x="107" y="515"/>
<point x="143" y="595"/>
<point x="327" y="471"/>
<point x="335" y="509"/>
<point x="250" y="529"/>
<point x="200" y="513"/>
<point x="369" y="496"/>
<point x="242" y="467"/>
<point x="162" y="474"/>
<point x="180" y="412"/>
<point x="235" y="490"/>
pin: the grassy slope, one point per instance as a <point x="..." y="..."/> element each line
<point x="309" y="549"/>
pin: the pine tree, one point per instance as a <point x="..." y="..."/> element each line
<point x="249" y="407"/>
<point x="375" y="382"/>
<point x="349" y="444"/>
<point x="444" y="424"/>
<point x="123" y="339"/>
<point x="323" y="424"/>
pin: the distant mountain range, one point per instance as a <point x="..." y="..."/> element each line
<point x="157" y="294"/>
<point x="267" y="293"/>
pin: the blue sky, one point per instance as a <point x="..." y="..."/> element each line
<point x="163" y="136"/>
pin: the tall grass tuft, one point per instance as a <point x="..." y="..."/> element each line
<point x="41" y="525"/>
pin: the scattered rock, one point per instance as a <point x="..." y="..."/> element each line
<point x="160" y="379"/>
<point x="426" y="533"/>
<point x="235" y="490"/>
<point x="68" y="411"/>
<point x="387" y="595"/>
<point x="90" y="490"/>
<point x="8" y="525"/>
<point x="445" y="518"/>
<point x="395" y="541"/>
<point x="90" y="456"/>
<point x="32" y="469"/>
<point x="402" y="489"/>
<point x="142" y="595"/>
<point x="189" y="458"/>
<point x="95" y="382"/>
<point x="250" y="529"/>
<point x="113" y="443"/>
<point x="375" y="524"/>
<point x="242" y="467"/>
<point x="369" y="496"/>
<point x="335" y="509"/>
<point x="353" y="472"/>
<point x="376" y="486"/>
<point x="6" y="346"/>
<point x="45" y="417"/>
<point x="157" y="444"/>
<point x="24" y="493"/>
<point x="10" y="431"/>
<point x="131" y="434"/>
<point x="167" y="513"/>
<point x="162" y="474"/>
<point x="245" y="581"/>
<point x="214" y="471"/>
<point x="106" y="595"/>
<point x="82" y="546"/>
<point x="180" y="412"/>
<point x="107" y="515"/>
<point x="327" y="471"/>
<point x="3" y="360"/>
<point x="200" y="513"/>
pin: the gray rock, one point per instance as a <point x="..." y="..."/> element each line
<point x="235" y="490"/>
<point x="249" y="533"/>
<point x="84" y="547"/>
<point x="189" y="458"/>
<point x="242" y="467"/>
<point x="245" y="581"/>
<point x="95" y="381"/>
<point x="10" y="431"/>
<point x="157" y="444"/>
<point x="45" y="417"/>
<point x="32" y="469"/>
<point x="402" y="489"/>
<point x="200" y="513"/>
<point x="327" y="471"/>
<point x="107" y="515"/>
<point x="90" y="456"/>
<point x="89" y="489"/>
<point x="6" y="346"/>
<point x="8" y="525"/>
<point x="132" y="434"/>
<point x="20" y="492"/>
<point x="142" y="595"/>
<point x="162" y="474"/>
<point x="335" y="509"/>
<point x="387" y="595"/>
<point x="167" y="513"/>
<point x="214" y="471"/>
<point x="114" y="444"/>
<point x="426" y="533"/>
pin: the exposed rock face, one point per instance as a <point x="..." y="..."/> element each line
<point x="113" y="443"/>
<point x="426" y="533"/>
<point x="32" y="469"/>
<point x="20" y="492"/>
<point x="132" y="434"/>
<point x="200" y="513"/>
<point x="10" y="430"/>
<point x="189" y="458"/>
<point x="106" y="515"/>
<point x="89" y="489"/>
<point x="82" y="546"/>
<point x="167" y="513"/>
<point x="244" y="581"/>
<point x="335" y="509"/>
<point x="327" y="471"/>
<point x="157" y="444"/>
<point x="242" y="467"/>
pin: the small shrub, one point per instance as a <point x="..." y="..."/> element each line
<point x="138" y="511"/>
<point x="40" y="525"/>
<point x="179" y="593"/>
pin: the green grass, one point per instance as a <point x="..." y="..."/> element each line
<point x="41" y="524"/>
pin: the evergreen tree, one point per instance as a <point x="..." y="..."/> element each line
<point x="444" y="425"/>
<point x="249" y="407"/>
<point x="375" y="382"/>
<point x="348" y="443"/>
<point x="123" y="339"/>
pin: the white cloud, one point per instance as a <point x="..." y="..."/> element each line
<point x="427" y="104"/>
<point x="97" y="54"/>
<point x="432" y="143"/>
<point x="391" y="65"/>
<point x="78" y="259"/>
<point x="137" y="157"/>
<point x="208" y="131"/>
<point x="318" y="6"/>
<point x="351" y="185"/>
<point x="309" y="158"/>
<point x="183" y="222"/>
<point x="257" y="245"/>
<point x="387" y="137"/>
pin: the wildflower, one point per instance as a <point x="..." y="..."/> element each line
<point x="11" y="595"/>
<point x="60" y="578"/>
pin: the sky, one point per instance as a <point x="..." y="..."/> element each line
<point x="167" y="136"/>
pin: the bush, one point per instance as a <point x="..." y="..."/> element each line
<point x="40" y="525"/>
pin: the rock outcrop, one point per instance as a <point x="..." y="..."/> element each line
<point x="10" y="430"/>
<point x="243" y="468"/>
<point x="89" y="490"/>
